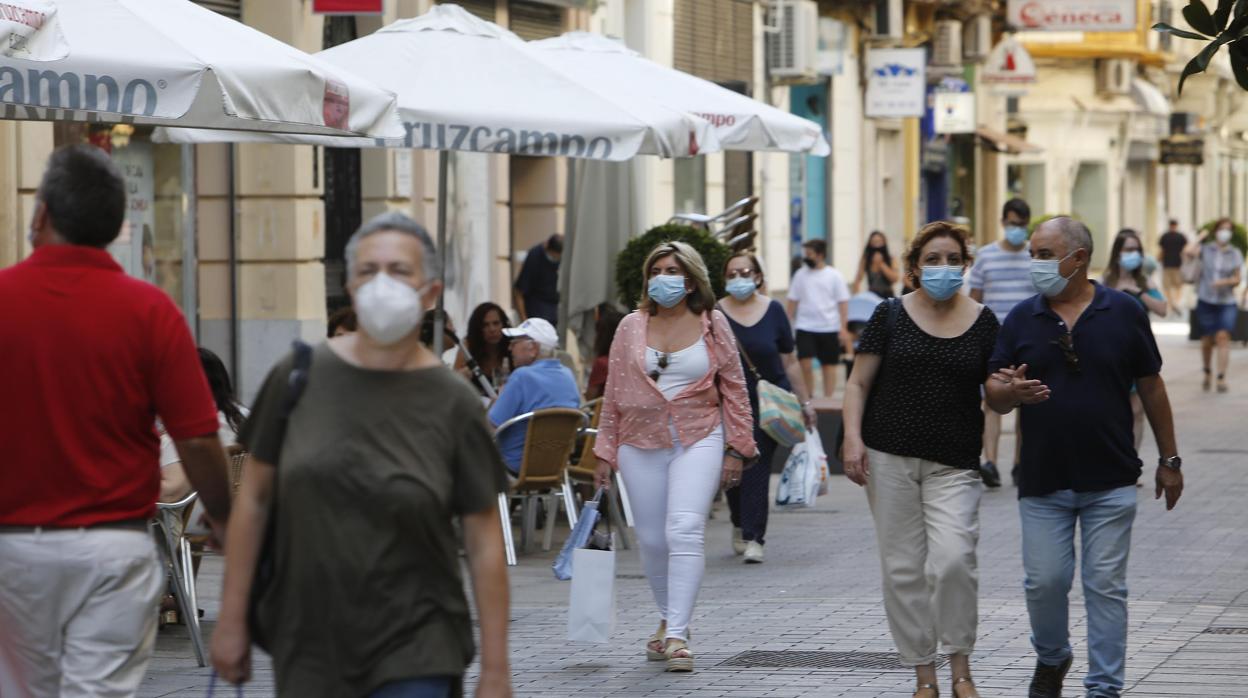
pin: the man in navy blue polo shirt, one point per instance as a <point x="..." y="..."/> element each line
<point x="1069" y="358"/>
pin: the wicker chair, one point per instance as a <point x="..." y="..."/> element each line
<point x="237" y="457"/>
<point x="583" y="473"/>
<point x="549" y="439"/>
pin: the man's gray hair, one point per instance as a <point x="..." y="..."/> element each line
<point x="1073" y="232"/>
<point x="393" y="221"/>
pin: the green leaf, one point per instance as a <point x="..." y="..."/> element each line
<point x="1201" y="61"/>
<point x="1223" y="13"/>
<point x="1181" y="33"/>
<point x="1198" y="16"/>
<point x="1239" y="62"/>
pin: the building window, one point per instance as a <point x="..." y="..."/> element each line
<point x="714" y="39"/>
<point x="533" y="21"/>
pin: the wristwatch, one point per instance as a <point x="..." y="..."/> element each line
<point x="1172" y="462"/>
<point x="730" y="451"/>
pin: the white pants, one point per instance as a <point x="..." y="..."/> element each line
<point x="927" y="524"/>
<point x="670" y="490"/>
<point x="78" y="612"/>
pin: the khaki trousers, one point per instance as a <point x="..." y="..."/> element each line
<point x="77" y="612"/>
<point x="927" y="525"/>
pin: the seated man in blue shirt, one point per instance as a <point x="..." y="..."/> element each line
<point x="538" y="382"/>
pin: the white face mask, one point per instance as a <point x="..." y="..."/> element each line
<point x="1224" y="235"/>
<point x="388" y="310"/>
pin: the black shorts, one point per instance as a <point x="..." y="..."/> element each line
<point x="825" y="346"/>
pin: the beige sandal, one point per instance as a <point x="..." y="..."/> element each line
<point x="927" y="687"/>
<point x="679" y="658"/>
<point x="654" y="646"/>
<point x="965" y="680"/>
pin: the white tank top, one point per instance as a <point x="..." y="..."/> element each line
<point x="684" y="367"/>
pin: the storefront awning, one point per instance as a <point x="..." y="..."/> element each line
<point x="1149" y="98"/>
<point x="1006" y="143"/>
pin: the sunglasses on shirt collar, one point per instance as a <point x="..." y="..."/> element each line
<point x="663" y="360"/>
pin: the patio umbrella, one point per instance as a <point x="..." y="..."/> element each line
<point x="740" y="123"/>
<point x="174" y="62"/>
<point x="464" y="84"/>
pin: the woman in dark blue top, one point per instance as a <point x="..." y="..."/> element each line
<point x="765" y="336"/>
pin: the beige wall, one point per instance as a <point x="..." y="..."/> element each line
<point x="24" y="148"/>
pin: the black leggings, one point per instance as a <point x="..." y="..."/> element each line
<point x="750" y="501"/>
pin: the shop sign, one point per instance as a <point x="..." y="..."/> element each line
<point x="135" y="248"/>
<point x="954" y="112"/>
<point x="1072" y="15"/>
<point x="896" y="83"/>
<point x="347" y="7"/>
<point x="1009" y="64"/>
<point x="830" y="50"/>
<point x="1176" y="151"/>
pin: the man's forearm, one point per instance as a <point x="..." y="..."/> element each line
<point x="1160" y="417"/>
<point x="206" y="467"/>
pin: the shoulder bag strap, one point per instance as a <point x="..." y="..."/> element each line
<point x="740" y="349"/>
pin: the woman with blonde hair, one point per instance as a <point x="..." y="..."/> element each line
<point x="676" y="424"/>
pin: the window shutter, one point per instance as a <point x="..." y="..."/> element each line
<point x="532" y="21"/>
<point x="481" y="9"/>
<point x="230" y="8"/>
<point x="714" y="39"/>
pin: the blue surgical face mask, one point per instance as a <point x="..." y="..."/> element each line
<point x="1016" y="235"/>
<point x="1046" y="275"/>
<point x="667" y="289"/>
<point x="741" y="288"/>
<point x="1130" y="261"/>
<point x="942" y="282"/>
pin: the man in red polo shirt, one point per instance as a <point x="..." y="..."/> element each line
<point x="89" y="358"/>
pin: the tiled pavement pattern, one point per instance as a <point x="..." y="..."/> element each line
<point x="819" y="591"/>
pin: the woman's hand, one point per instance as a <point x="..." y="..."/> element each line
<point x="493" y="684"/>
<point x="809" y="415"/>
<point x="854" y="457"/>
<point x="732" y="472"/>
<point x="602" y="474"/>
<point x="231" y="650"/>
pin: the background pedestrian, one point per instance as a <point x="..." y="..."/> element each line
<point x="537" y="286"/>
<point x="676" y="425"/>
<point x="913" y="433"/>
<point x="383" y="450"/>
<point x="1069" y="358"/>
<point x="1171" y="244"/>
<point x="605" y="325"/>
<point x="1221" y="265"/>
<point x="818" y="305"/>
<point x="488" y="345"/>
<point x="1000" y="281"/>
<point x="1126" y="273"/>
<point x="765" y="338"/>
<point x="877" y="266"/>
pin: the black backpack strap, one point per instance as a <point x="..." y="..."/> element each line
<point x="298" y="379"/>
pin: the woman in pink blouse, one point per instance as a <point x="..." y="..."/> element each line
<point x="674" y="370"/>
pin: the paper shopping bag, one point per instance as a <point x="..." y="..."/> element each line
<point x="591" y="608"/>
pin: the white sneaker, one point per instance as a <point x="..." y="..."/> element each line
<point x="738" y="543"/>
<point x="753" y="552"/>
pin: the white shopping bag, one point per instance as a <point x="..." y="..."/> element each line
<point x="591" y="609"/>
<point x="804" y="473"/>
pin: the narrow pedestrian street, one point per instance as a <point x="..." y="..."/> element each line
<point x="809" y="622"/>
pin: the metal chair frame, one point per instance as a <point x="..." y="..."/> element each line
<point x="176" y="553"/>
<point x="528" y="512"/>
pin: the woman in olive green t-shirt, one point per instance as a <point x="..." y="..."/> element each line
<point x="384" y="448"/>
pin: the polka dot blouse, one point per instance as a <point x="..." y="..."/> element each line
<point x="925" y="401"/>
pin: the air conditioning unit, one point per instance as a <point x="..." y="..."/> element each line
<point x="889" y="19"/>
<point x="1114" y="76"/>
<point x="947" y="43"/>
<point x="977" y="38"/>
<point x="794" y="40"/>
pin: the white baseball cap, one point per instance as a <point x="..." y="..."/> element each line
<point x="536" y="329"/>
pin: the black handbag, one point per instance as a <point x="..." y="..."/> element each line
<point x="266" y="561"/>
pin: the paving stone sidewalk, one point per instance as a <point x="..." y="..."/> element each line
<point x="819" y="592"/>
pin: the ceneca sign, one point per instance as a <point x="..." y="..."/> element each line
<point x="1072" y="15"/>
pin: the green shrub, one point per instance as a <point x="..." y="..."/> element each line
<point x="629" y="279"/>
<point x="1239" y="235"/>
<point x="1038" y="220"/>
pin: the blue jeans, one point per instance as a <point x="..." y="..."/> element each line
<point x="1105" y="520"/>
<point x="431" y="687"/>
